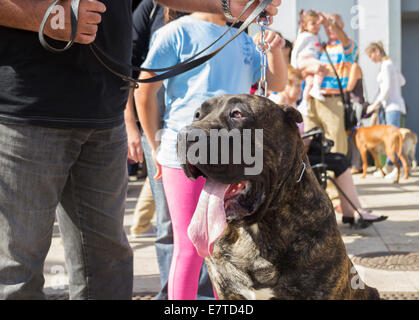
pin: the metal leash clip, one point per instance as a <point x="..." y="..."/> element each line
<point x="263" y="47"/>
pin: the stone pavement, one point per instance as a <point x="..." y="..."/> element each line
<point x="389" y="268"/>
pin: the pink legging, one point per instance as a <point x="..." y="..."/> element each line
<point x="182" y="197"/>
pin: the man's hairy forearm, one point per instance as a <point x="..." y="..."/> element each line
<point x="211" y="6"/>
<point x="23" y="14"/>
<point x="28" y="14"/>
<point x="341" y="35"/>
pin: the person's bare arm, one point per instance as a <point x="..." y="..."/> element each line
<point x="135" y="148"/>
<point x="338" y="30"/>
<point x="28" y="14"/>
<point x="277" y="73"/>
<point x="148" y="112"/>
<point x="214" y="6"/>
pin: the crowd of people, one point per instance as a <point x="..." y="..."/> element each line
<point x="66" y="136"/>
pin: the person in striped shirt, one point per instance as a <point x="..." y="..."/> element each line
<point x="328" y="115"/>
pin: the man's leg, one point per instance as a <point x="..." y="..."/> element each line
<point x="331" y="114"/>
<point x="98" y="256"/>
<point x="144" y="210"/>
<point x="312" y="120"/>
<point x="34" y="164"/>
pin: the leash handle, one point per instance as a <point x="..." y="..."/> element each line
<point x="74" y="16"/>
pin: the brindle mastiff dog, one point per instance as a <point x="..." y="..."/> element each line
<point x="271" y="235"/>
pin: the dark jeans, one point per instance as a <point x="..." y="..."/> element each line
<point x="83" y="170"/>
<point x="164" y="239"/>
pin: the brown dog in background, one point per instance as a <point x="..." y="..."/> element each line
<point x="410" y="140"/>
<point x="379" y="136"/>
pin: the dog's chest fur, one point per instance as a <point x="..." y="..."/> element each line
<point x="238" y="268"/>
<point x="257" y="262"/>
<point x="277" y="259"/>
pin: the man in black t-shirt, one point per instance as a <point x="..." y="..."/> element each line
<point x="63" y="143"/>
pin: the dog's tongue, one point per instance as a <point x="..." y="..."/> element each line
<point x="209" y="220"/>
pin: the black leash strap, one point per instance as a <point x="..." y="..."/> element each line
<point x="74" y="15"/>
<point x="168" y="72"/>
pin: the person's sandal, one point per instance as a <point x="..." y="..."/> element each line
<point x="359" y="224"/>
<point x="378" y="219"/>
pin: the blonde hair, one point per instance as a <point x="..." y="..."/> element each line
<point x="305" y="16"/>
<point x="377" y="46"/>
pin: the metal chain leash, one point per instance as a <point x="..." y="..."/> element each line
<point x="263" y="47"/>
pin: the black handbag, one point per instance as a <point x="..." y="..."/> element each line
<point x="350" y="114"/>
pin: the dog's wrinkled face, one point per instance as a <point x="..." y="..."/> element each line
<point x="261" y="140"/>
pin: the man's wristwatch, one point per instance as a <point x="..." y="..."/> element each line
<point x="225" y="4"/>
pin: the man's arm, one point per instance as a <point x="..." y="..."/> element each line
<point x="214" y="6"/>
<point x="28" y="14"/>
<point x="341" y="35"/>
<point x="338" y="30"/>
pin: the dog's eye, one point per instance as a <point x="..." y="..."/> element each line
<point x="236" y="114"/>
<point x="197" y="115"/>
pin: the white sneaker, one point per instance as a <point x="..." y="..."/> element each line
<point x="316" y="94"/>
<point x="378" y="174"/>
<point x="393" y="174"/>
<point x="388" y="168"/>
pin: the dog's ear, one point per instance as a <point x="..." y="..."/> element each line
<point x="292" y="114"/>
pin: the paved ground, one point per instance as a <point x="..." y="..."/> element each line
<point x="399" y="234"/>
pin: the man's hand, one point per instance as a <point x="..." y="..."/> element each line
<point x="323" y="20"/>
<point x="89" y="18"/>
<point x="237" y="6"/>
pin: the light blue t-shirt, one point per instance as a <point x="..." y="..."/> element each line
<point x="231" y="71"/>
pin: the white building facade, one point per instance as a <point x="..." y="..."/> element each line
<point x="394" y="22"/>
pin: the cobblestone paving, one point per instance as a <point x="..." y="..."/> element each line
<point x="394" y="261"/>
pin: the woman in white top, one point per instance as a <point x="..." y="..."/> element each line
<point x="390" y="81"/>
